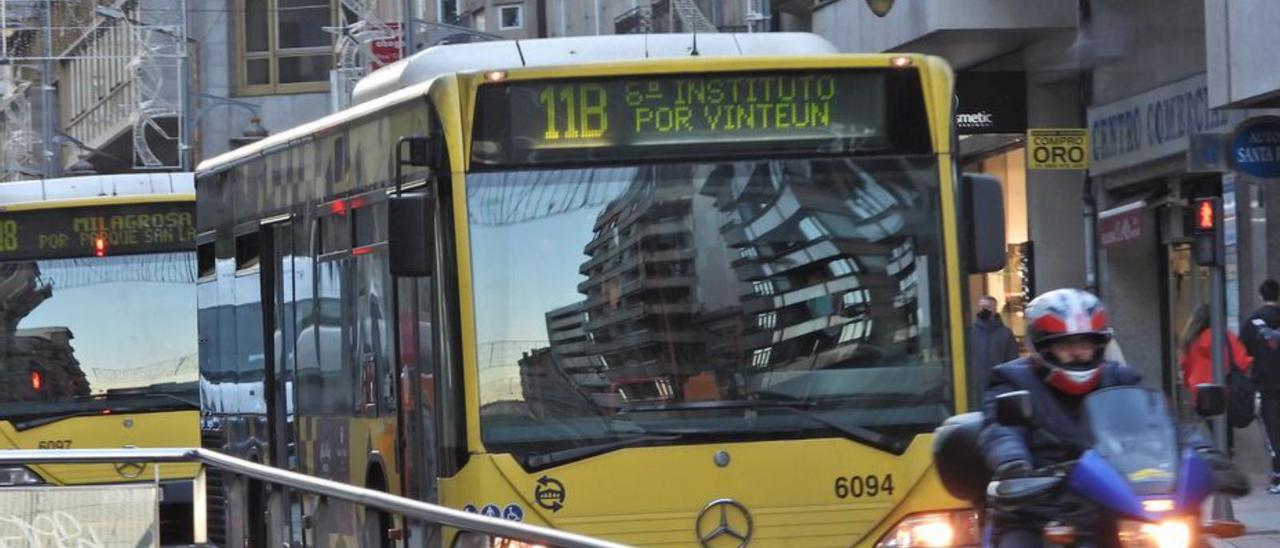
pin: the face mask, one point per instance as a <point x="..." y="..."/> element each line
<point x="984" y="314"/>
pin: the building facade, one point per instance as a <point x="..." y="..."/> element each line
<point x="1161" y="87"/>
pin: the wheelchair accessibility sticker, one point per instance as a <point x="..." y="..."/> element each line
<point x="512" y="512"/>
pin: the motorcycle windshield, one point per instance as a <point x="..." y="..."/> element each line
<point x="1132" y="429"/>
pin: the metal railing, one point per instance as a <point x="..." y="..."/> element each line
<point x="409" y="508"/>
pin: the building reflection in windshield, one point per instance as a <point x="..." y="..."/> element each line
<point x="726" y="281"/>
<point x="74" y="329"/>
<point x="39" y="363"/>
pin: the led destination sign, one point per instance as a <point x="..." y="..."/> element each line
<point x="100" y="230"/>
<point x="613" y="118"/>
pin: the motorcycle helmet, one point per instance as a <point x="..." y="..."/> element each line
<point x="1067" y="314"/>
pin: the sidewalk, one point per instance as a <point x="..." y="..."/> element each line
<point x="1260" y="512"/>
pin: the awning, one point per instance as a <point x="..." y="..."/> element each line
<point x="1121" y="224"/>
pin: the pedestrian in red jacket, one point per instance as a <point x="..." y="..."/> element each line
<point x="1197" y="351"/>
<point x="1197" y="357"/>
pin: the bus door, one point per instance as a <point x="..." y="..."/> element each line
<point x="280" y="276"/>
<point x="415" y="374"/>
<point x="278" y="281"/>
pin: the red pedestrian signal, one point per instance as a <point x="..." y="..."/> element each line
<point x="37" y="381"/>
<point x="1206" y="215"/>
<point x="1206" y="249"/>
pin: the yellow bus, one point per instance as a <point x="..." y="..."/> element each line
<point x="663" y="290"/>
<point x="98" y="348"/>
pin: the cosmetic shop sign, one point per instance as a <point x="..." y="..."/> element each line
<point x="1255" y="148"/>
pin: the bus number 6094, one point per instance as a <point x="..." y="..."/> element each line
<point x="869" y="485"/>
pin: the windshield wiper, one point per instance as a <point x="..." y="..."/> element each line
<point x="102" y="410"/>
<point x="800" y="407"/>
<point x="552" y="458"/>
<point x="36" y="422"/>
<point x="118" y="396"/>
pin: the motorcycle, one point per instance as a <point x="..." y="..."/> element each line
<point x="1134" y="483"/>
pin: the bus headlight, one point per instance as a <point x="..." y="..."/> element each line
<point x="13" y="476"/>
<point x="475" y="540"/>
<point x="959" y="528"/>
<point x="1169" y="533"/>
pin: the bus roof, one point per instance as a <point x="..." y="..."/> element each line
<point x="548" y="52"/>
<point x="85" y="190"/>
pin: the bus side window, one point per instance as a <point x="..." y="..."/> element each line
<point x="248" y="324"/>
<point x="373" y="307"/>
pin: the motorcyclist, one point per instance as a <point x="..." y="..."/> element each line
<point x="1067" y="334"/>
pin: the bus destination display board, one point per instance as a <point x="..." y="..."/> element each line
<point x="97" y="230"/>
<point x="527" y="122"/>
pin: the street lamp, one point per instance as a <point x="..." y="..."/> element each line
<point x="880" y="7"/>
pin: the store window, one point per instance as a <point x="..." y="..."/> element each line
<point x="283" y="46"/>
<point x="1014" y="285"/>
<point x="511" y="17"/>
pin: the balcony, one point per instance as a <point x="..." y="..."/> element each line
<point x="665" y="16"/>
<point x="110" y="82"/>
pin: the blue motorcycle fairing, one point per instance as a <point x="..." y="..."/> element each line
<point x="1195" y="482"/>
<point x="1095" y="479"/>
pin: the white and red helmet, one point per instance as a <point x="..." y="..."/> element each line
<point x="1062" y="314"/>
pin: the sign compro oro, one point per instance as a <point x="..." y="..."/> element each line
<point x="1058" y="148"/>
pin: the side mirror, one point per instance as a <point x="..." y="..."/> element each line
<point x="423" y="151"/>
<point x="983" y="199"/>
<point x="1211" y="400"/>
<point x="1014" y="408"/>
<point x="411" y="234"/>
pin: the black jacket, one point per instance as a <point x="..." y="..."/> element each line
<point x="1058" y="435"/>
<point x="990" y="344"/>
<point x="1259" y="335"/>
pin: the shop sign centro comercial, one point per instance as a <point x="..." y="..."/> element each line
<point x="1154" y="125"/>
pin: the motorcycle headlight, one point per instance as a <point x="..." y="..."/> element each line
<point x="14" y="476"/>
<point x="1167" y="533"/>
<point x="475" y="540"/>
<point x="956" y="528"/>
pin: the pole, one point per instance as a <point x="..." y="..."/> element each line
<point x="53" y="164"/>
<point x="406" y="29"/>
<point x="1090" y="237"/>
<point x="563" y="21"/>
<point x="186" y="153"/>
<point x="1222" y="509"/>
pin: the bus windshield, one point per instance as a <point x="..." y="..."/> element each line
<point x="87" y="335"/>
<point x="681" y="302"/>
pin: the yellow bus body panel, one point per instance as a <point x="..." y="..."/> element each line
<point x="158" y="429"/>
<point x="653" y="496"/>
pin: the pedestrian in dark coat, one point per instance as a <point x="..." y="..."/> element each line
<point x="991" y="343"/>
<point x="1261" y="336"/>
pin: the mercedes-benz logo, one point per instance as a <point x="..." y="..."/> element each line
<point x="724" y="518"/>
<point x="130" y="470"/>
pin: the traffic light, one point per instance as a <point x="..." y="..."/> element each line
<point x="1205" y="249"/>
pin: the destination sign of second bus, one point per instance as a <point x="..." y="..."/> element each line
<point x="104" y="230"/>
